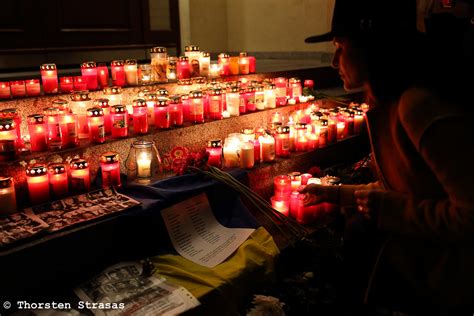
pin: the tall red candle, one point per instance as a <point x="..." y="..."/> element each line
<point x="281" y="90"/>
<point x="95" y="119"/>
<point x="67" y="84"/>
<point x="150" y="98"/>
<point x="140" y="117"/>
<point x="103" y="103"/>
<point x="79" y="176"/>
<point x="183" y="69"/>
<point x="38" y="183"/>
<point x="323" y="132"/>
<point x="33" y="87"/>
<point x="89" y="74"/>
<point x="282" y="141"/>
<point x="53" y="128"/>
<point x="176" y="111"/>
<point x="214" y="149"/>
<point x="118" y="73"/>
<point x="110" y="165"/>
<point x="49" y="78"/>
<point x="119" y="117"/>
<point x="38" y="130"/>
<point x="196" y="106"/>
<point x="18" y="88"/>
<point x="79" y="83"/>
<point x="80" y="102"/>
<point x="282" y="185"/>
<point x="102" y="75"/>
<point x="256" y="150"/>
<point x="5" y="90"/>
<point x="62" y="105"/>
<point x="58" y="181"/>
<point x="215" y="104"/>
<point x="162" y="113"/>
<point x="224" y="64"/>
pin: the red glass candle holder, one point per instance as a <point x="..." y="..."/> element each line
<point x="196" y="106"/>
<point x="89" y="75"/>
<point x="281" y="204"/>
<point x="259" y="98"/>
<point x="15" y="115"/>
<point x="95" y="119"/>
<point x="162" y="113"/>
<point x="214" y="149"/>
<point x="131" y="72"/>
<point x="38" y="129"/>
<point x="295" y="88"/>
<point x="8" y="139"/>
<point x="323" y="132"/>
<point x="183" y="69"/>
<point x="68" y="124"/>
<point x="256" y="151"/>
<point x="110" y="165"/>
<point x="38" y="183"/>
<point x="62" y="106"/>
<point x="79" y="176"/>
<point x="102" y="75"/>
<point x="79" y="84"/>
<point x="223" y="60"/>
<point x="140" y="117"/>
<point x="215" y="104"/>
<point x="150" y="98"/>
<point x="295" y="178"/>
<point x="349" y="123"/>
<point x="119" y="117"/>
<point x="281" y="91"/>
<point x="58" y="181"/>
<point x="33" y="87"/>
<point x="160" y="68"/>
<point x="5" y="90"/>
<point x="113" y="94"/>
<point x="49" y="78"/>
<point x="176" y="111"/>
<point x="80" y="102"/>
<point x="282" y="141"/>
<point x="282" y="186"/>
<point x="18" y="88"/>
<point x="244" y="64"/>
<point x="103" y="103"/>
<point x="118" y="73"/>
<point x="53" y="128"/>
<point x="67" y="84"/>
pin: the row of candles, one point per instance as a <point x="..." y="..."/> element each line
<point x="162" y="68"/>
<point x="290" y="202"/>
<point x="64" y="123"/>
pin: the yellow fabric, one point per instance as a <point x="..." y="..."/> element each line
<point x="222" y="286"/>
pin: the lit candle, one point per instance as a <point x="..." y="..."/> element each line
<point x="183" y="69"/>
<point x="340" y="130"/>
<point x="102" y="75"/>
<point x="38" y="183"/>
<point x="140" y="117"/>
<point x="79" y="176"/>
<point x="49" y="78"/>
<point x="196" y="106"/>
<point x="215" y="103"/>
<point x="66" y="84"/>
<point x="186" y="107"/>
<point x="18" y="88"/>
<point x="162" y="113"/>
<point x="176" y="111"/>
<point x="295" y="178"/>
<point x="58" y="181"/>
<point x="323" y="132"/>
<point x="295" y="88"/>
<point x="7" y="196"/>
<point x="79" y="83"/>
<point x="260" y="97"/>
<point x="95" y="118"/>
<point x="103" y="103"/>
<point x="225" y="114"/>
<point x="281" y="204"/>
<point x="54" y="135"/>
<point x="214" y="149"/>
<point x="246" y="155"/>
<point x="131" y="70"/>
<point x="119" y="117"/>
<point x="224" y="64"/>
<point x="349" y="121"/>
<point x="15" y="115"/>
<point x="68" y="123"/>
<point x="333" y="129"/>
<point x="270" y="96"/>
<point x="313" y="140"/>
<point x="80" y="102"/>
<point x="282" y="141"/>
<point x="358" y="121"/>
<point x="5" y="90"/>
<point x="294" y="202"/>
<point x="150" y="98"/>
<point x="301" y="141"/>
<point x="305" y="177"/>
<point x="204" y="64"/>
<point x="214" y="71"/>
<point x="8" y="139"/>
<point x="233" y="100"/>
<point x="282" y="186"/>
<point x="113" y="94"/>
<point x="38" y="132"/>
<point x="193" y="53"/>
<point x="256" y="150"/>
<point x="267" y="143"/>
<point x="159" y="64"/>
<point x="244" y="63"/>
<point x="89" y="74"/>
<point x="252" y="64"/>
<point x="231" y="152"/>
<point x="234" y="65"/>
<point x="33" y="87"/>
<point x="117" y="72"/>
<point x="110" y="165"/>
<point x="171" y="70"/>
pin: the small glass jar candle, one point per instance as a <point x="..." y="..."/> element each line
<point x="176" y="111"/>
<point x="38" y="183"/>
<point x="281" y="204"/>
<point x="267" y="144"/>
<point x="79" y="176"/>
<point x="118" y="73"/>
<point x="332" y="128"/>
<point x="193" y="53"/>
<point x="204" y="64"/>
<point x="89" y="75"/>
<point x="49" y="78"/>
<point x="196" y="106"/>
<point x="18" y="88"/>
<point x="79" y="84"/>
<point x="224" y="64"/>
<point x="183" y="69"/>
<point x="214" y="71"/>
<point x="15" y="115"/>
<point x="150" y="98"/>
<point x="131" y="72"/>
<point x="245" y="94"/>
<point x="38" y="129"/>
<point x="244" y="64"/>
<point x="33" y="87"/>
<point x="95" y="117"/>
<point x="323" y="132"/>
<point x="294" y="202"/>
<point x="5" y="92"/>
<point x="119" y="117"/>
<point x="103" y="104"/>
<point x="215" y="103"/>
<point x="79" y="104"/>
<point x="8" y="139"/>
<point x="69" y="133"/>
<point x="295" y="178"/>
<point x="281" y="91"/>
<point x="234" y="65"/>
<point x="305" y="214"/>
<point x="110" y="165"/>
<point x="231" y="152"/>
<point x="54" y="134"/>
<point x="247" y="135"/>
<point x="252" y="64"/>
<point x="140" y="117"/>
<point x="301" y="141"/>
<point x="162" y="113"/>
<point x="282" y="186"/>
<point x="282" y="141"/>
<point x="58" y="181"/>
<point x="214" y="149"/>
<point x="313" y="140"/>
<point x="143" y="161"/>
<point x="102" y="75"/>
<point x="259" y="97"/>
<point x="144" y="74"/>
<point x="246" y="153"/>
<point x="295" y="88"/>
<point x="113" y="94"/>
<point x="358" y="121"/>
<point x="186" y="102"/>
<point x="349" y="123"/>
<point x="66" y="84"/>
<point x="159" y="64"/>
<point x="256" y="150"/>
<point x="233" y="100"/>
<point x="7" y="195"/>
<point x="305" y="177"/>
<point x="171" y="70"/>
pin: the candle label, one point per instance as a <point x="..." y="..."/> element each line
<point x="101" y="131"/>
<point x="214" y="106"/>
<point x="260" y="101"/>
<point x="120" y="124"/>
<point x="78" y="183"/>
<point x="285" y="144"/>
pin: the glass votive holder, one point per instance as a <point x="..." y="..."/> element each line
<point x="110" y="165"/>
<point x="281" y="204"/>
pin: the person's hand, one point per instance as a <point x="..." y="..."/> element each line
<point x="316" y="193"/>
<point x="364" y="201"/>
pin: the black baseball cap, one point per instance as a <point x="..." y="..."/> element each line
<point x="358" y="17"/>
